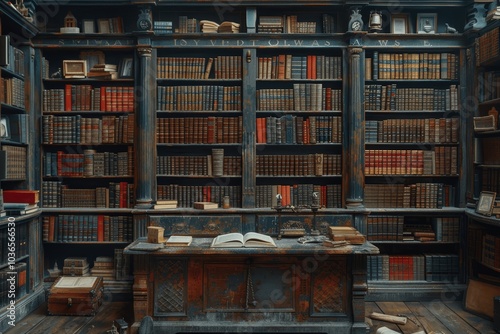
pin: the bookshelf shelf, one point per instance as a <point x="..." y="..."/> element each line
<point x="9" y="108"/>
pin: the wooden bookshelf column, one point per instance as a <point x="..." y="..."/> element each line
<point x="146" y="134"/>
<point x="355" y="142"/>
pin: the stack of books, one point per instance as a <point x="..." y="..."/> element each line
<point x="165" y="204"/>
<point x="104" y="267"/>
<point x="271" y="24"/>
<point x="76" y="266"/>
<point x="229" y="27"/>
<point x="163" y="27"/>
<point x="103" y="71"/>
<point x="20" y="202"/>
<point x="207" y="26"/>
<point x="493" y="14"/>
<point x="347" y="233"/>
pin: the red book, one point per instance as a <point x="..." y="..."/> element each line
<point x="21" y="196"/>
<point x="103" y="99"/>
<point x="67" y="97"/>
<point x="52" y="225"/>
<point x="123" y="195"/>
<point x="100" y="227"/>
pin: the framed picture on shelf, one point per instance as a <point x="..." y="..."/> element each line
<point x="88" y="26"/>
<point x="74" y="68"/>
<point x="93" y="58"/>
<point x="486" y="201"/>
<point x="4" y="128"/>
<point x="399" y="24"/>
<point x="426" y="23"/>
<point x="126" y="67"/>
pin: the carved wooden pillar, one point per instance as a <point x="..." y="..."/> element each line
<point x="140" y="287"/>
<point x="355" y="127"/>
<point x="145" y="137"/>
<point x="249" y="133"/>
<point x="359" y="290"/>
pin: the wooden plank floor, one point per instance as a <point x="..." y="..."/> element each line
<point x="440" y="317"/>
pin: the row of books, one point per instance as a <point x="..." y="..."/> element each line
<point x="13" y="283"/>
<point x="425" y="267"/>
<point x="399" y="228"/>
<point x="116" y="195"/>
<point x="491" y="251"/>
<point x="302" y="97"/>
<point x="16" y="157"/>
<point x="198" y="165"/>
<point x="330" y="195"/>
<point x="441" y="160"/>
<point x="74" y="228"/>
<point x="287" y="66"/>
<point x="21" y="243"/>
<point x="427" y="130"/>
<point x="12" y="91"/>
<point x="287" y="24"/>
<point x="199" y="130"/>
<point x="488" y="85"/>
<point x="12" y="58"/>
<point x="423" y="65"/>
<point x="187" y="195"/>
<point x="317" y="164"/>
<point x="390" y="97"/>
<point x="89" y="163"/>
<point x="199" y="98"/>
<point x="487" y="46"/>
<point x="490" y="179"/>
<point x="289" y="129"/>
<point x="220" y="67"/>
<point x="88" y="130"/>
<point x="417" y="195"/>
<point x="188" y="25"/>
<point x="89" y="98"/>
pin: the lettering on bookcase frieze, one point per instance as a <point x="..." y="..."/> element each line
<point x="388" y="42"/>
<point x="93" y="42"/>
<point x="252" y="42"/>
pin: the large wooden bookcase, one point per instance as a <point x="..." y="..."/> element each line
<point x="21" y="255"/>
<point x="290" y="113"/>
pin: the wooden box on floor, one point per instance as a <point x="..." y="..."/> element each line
<point x="75" y="296"/>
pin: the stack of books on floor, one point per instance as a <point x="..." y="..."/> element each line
<point x="20" y="202"/>
<point x="76" y="266"/>
<point x="104" y="266"/>
<point x="103" y="71"/>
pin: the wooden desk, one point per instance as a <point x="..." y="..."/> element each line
<point x="292" y="288"/>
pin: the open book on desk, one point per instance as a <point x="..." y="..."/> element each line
<point x="250" y="239"/>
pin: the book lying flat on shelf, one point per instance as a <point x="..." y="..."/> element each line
<point x="250" y="239"/>
<point x="179" y="240"/>
<point x="205" y="205"/>
<point x="165" y="204"/>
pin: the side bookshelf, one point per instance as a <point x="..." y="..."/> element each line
<point x="87" y="159"/>
<point x="21" y="253"/>
<point x="483" y="227"/>
<point x="413" y="174"/>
